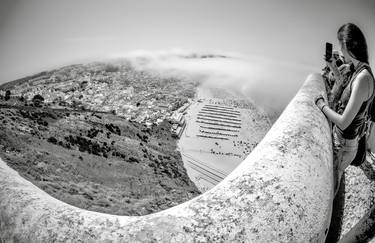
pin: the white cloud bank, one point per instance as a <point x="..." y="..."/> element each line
<point x="270" y="83"/>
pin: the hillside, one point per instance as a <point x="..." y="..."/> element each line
<point x="116" y="87"/>
<point x="99" y="137"/>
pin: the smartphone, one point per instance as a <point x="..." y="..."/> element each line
<point x="328" y="55"/>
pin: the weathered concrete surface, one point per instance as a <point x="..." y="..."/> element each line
<point x="358" y="213"/>
<point x="282" y="192"/>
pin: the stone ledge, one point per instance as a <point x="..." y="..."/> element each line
<point x="282" y="192"/>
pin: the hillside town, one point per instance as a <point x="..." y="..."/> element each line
<point x="117" y="88"/>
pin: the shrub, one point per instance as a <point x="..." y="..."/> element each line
<point x="132" y="160"/>
<point x="52" y="140"/>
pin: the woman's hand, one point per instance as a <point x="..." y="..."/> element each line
<point x="332" y="66"/>
<point x="329" y="63"/>
<point x="320" y="102"/>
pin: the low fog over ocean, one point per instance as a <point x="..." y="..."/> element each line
<point x="270" y="84"/>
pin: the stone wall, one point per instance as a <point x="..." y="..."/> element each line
<point x="282" y="192"/>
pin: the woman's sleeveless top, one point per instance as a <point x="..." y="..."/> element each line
<point x="353" y="129"/>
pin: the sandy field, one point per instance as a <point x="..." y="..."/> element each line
<point x="222" y="128"/>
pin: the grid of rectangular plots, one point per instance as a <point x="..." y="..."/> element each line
<point x="218" y="122"/>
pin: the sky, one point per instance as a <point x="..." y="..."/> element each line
<point x="37" y="35"/>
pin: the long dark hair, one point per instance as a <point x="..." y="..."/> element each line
<point x="352" y="38"/>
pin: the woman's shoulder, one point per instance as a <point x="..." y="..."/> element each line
<point x="364" y="75"/>
<point x="362" y="82"/>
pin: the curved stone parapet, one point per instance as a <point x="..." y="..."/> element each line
<point x="282" y="192"/>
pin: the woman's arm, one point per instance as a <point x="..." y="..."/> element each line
<point x="335" y="71"/>
<point x="338" y="86"/>
<point x="359" y="94"/>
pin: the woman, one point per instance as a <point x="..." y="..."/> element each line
<point x="352" y="105"/>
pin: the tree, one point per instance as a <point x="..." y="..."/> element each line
<point x="7" y="95"/>
<point x="38" y="100"/>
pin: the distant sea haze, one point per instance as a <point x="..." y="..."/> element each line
<point x="271" y="85"/>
